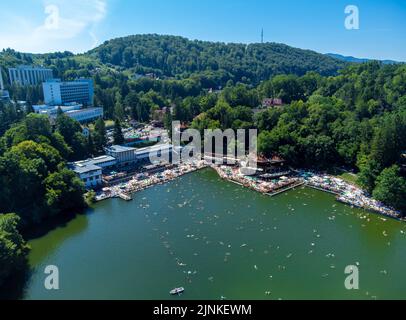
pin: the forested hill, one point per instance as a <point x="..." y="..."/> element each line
<point x="172" y="56"/>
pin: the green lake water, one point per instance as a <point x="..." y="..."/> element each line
<point x="218" y="239"/>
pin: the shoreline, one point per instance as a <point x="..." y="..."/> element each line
<point x="133" y="185"/>
<point x="344" y="192"/>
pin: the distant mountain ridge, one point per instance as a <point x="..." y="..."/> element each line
<point x="359" y="60"/>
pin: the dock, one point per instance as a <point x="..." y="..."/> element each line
<point x="124" y="196"/>
<point x="235" y="182"/>
<point x="273" y="194"/>
<point x="322" y="189"/>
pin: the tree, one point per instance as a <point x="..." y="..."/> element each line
<point x="13" y="249"/>
<point x="368" y="172"/>
<point x="168" y="120"/>
<point x="131" y="102"/>
<point x="268" y="143"/>
<point x="118" y="134"/>
<point x="100" y="139"/>
<point x="119" y="112"/>
<point x="222" y="112"/>
<point x="71" y="131"/>
<point x="391" y="188"/>
<point x="153" y="111"/>
<point x="286" y="87"/>
<point x="24" y="170"/>
<point x="143" y="109"/>
<point x="90" y="145"/>
<point x="389" y="139"/>
<point x="64" y="191"/>
<point x="318" y="151"/>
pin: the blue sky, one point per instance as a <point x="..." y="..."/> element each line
<point x="79" y="25"/>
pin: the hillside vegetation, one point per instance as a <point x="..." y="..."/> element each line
<point x="172" y="56"/>
<point x="335" y="114"/>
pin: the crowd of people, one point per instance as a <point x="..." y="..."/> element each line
<point x="268" y="187"/>
<point x="347" y="193"/>
<point x="145" y="180"/>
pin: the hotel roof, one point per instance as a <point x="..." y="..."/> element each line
<point x="117" y="148"/>
<point x="102" y="159"/>
<point x="157" y="147"/>
<point x="83" y="110"/>
<point x="84" y="167"/>
<point x="90" y="164"/>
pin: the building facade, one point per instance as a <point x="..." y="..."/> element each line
<point x="51" y="111"/>
<point x="29" y="76"/>
<point x="157" y="151"/>
<point x="272" y="102"/>
<point x="73" y="110"/>
<point x="91" y="171"/>
<point x="90" y="174"/>
<point x="57" y="92"/>
<point x="105" y="162"/>
<point x="125" y="155"/>
<point x="85" y="115"/>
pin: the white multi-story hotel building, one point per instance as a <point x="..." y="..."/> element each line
<point x="57" y="92"/>
<point x="26" y="75"/>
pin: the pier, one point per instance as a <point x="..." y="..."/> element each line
<point x="321" y="189"/>
<point x="125" y="196"/>
<point x="341" y="189"/>
<point x="125" y="190"/>
<point x="273" y="194"/>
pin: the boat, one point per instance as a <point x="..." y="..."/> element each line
<point x="177" y="291"/>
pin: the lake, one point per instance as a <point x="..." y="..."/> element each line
<point x="219" y="240"/>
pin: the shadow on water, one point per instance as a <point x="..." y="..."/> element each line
<point x="14" y="287"/>
<point x="54" y="223"/>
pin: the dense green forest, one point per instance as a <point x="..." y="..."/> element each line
<point x="334" y="115"/>
<point x="35" y="183"/>
<point x="179" y="57"/>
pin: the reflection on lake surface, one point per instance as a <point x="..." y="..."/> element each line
<point x="217" y="239"/>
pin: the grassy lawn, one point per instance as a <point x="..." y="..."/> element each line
<point x="109" y="124"/>
<point x="344" y="175"/>
<point x="349" y="177"/>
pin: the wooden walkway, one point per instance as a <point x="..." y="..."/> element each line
<point x="273" y="194"/>
<point x="322" y="189"/>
